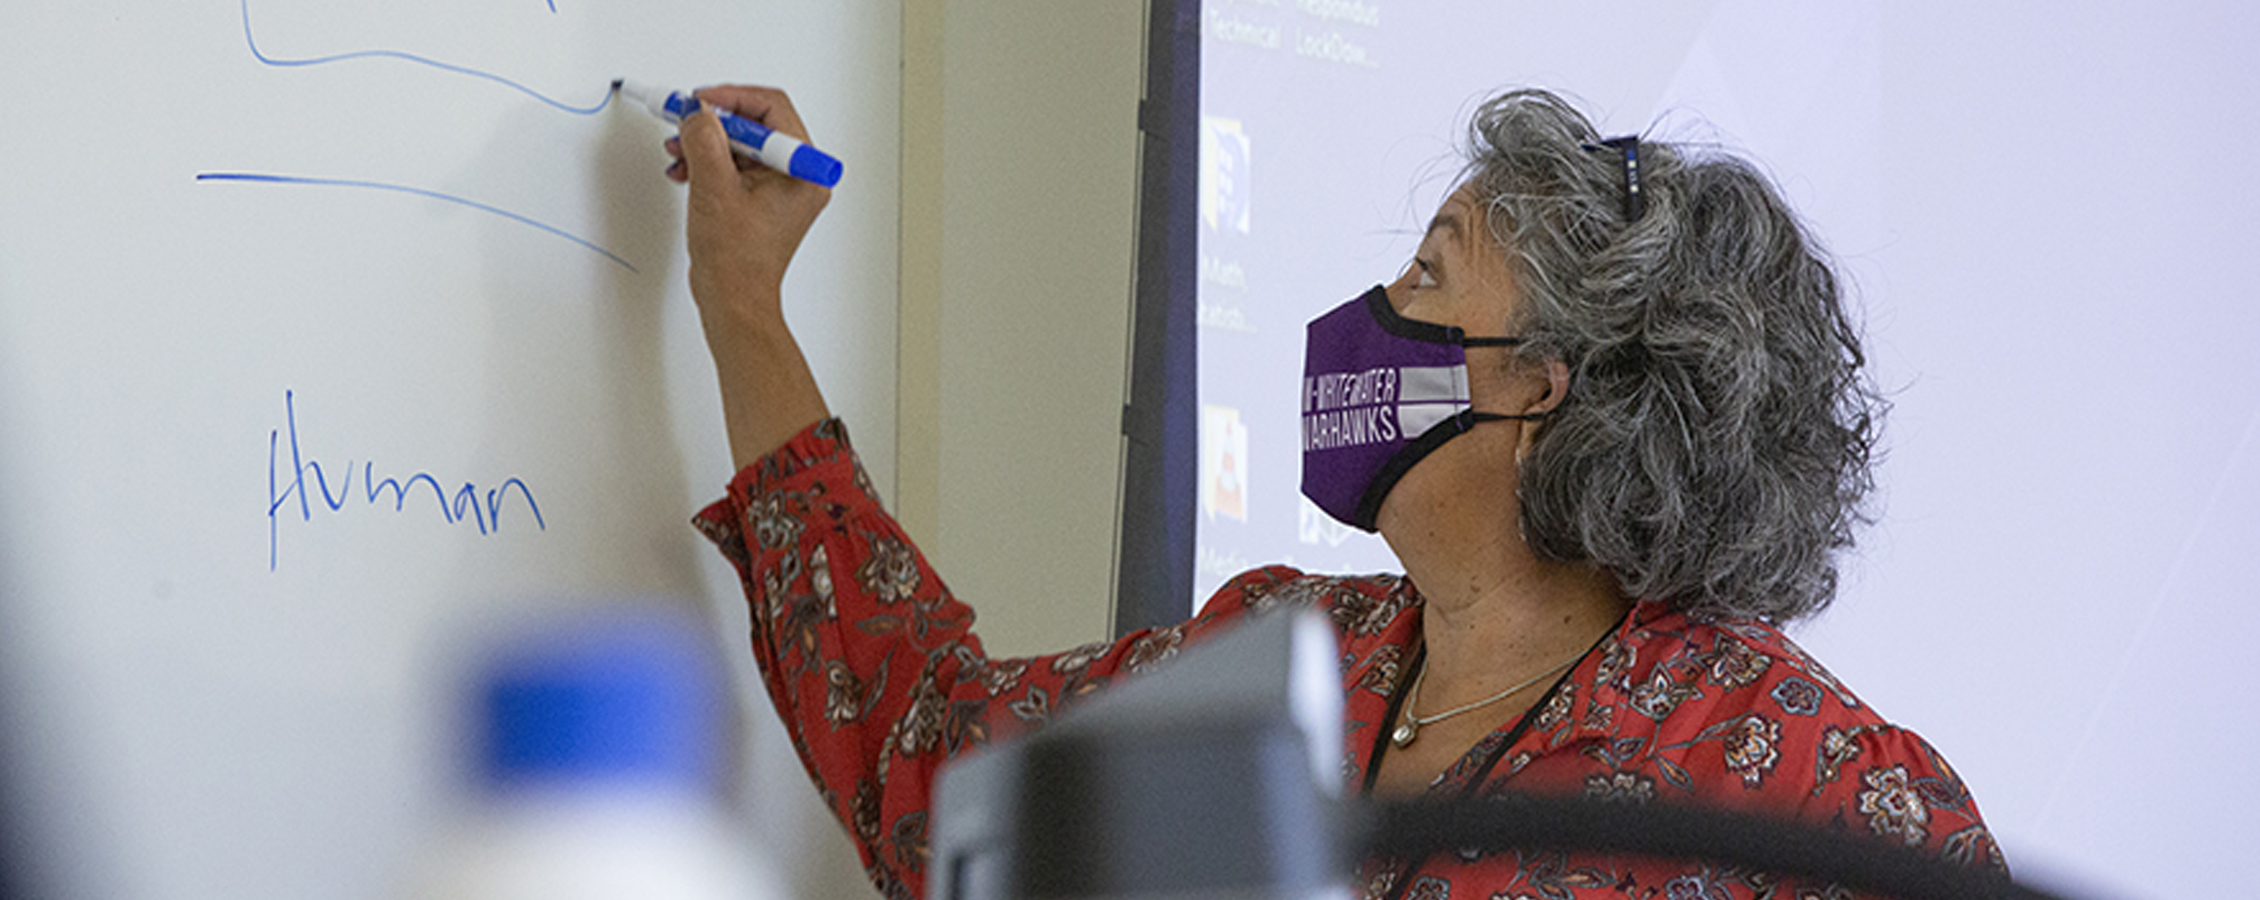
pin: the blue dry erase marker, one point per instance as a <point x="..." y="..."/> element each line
<point x="777" y="151"/>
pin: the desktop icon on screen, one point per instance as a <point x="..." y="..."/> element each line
<point x="1224" y="174"/>
<point x="1224" y="463"/>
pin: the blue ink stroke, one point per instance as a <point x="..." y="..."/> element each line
<point x="464" y="505"/>
<point x="410" y="57"/>
<point x="262" y="178"/>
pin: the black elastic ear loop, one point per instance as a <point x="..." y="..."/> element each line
<point x="1629" y="146"/>
<point x="1466" y="341"/>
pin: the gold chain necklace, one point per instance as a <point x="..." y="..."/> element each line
<point x="1409" y="731"/>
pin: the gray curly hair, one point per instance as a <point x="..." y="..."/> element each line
<point x="1714" y="448"/>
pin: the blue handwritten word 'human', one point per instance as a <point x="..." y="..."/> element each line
<point x="467" y="502"/>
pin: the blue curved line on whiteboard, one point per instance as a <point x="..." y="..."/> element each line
<point x="410" y="57"/>
<point x="261" y="178"/>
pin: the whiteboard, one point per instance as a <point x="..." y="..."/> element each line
<point x="330" y="333"/>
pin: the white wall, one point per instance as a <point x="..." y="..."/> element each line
<point x="1017" y="242"/>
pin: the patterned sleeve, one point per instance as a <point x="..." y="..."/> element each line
<point x="870" y="661"/>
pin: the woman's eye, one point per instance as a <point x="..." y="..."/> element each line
<point x="1427" y="273"/>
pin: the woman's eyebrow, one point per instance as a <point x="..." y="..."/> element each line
<point x="1447" y="221"/>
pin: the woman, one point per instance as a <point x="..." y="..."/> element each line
<point x="1666" y="438"/>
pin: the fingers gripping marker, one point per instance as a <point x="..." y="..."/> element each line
<point x="752" y="139"/>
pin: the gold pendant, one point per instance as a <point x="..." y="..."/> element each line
<point x="1403" y="736"/>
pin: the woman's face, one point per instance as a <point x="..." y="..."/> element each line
<point x="1458" y="277"/>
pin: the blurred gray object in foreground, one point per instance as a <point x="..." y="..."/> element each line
<point x="1215" y="775"/>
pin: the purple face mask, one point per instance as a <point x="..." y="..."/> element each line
<point x="1380" y="392"/>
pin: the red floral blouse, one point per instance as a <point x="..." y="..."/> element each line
<point x="880" y="680"/>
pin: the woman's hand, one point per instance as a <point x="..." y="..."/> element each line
<point x="746" y="219"/>
<point x="745" y="222"/>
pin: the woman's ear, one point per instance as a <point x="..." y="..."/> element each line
<point x="1557" y="389"/>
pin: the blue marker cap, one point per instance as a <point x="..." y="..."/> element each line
<point x="811" y="164"/>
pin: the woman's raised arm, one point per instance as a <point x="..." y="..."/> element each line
<point x="745" y="223"/>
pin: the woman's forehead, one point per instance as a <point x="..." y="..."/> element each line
<point x="1458" y="220"/>
<point x="1463" y="222"/>
<point x="1461" y="218"/>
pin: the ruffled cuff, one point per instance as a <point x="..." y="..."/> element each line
<point x="816" y="468"/>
